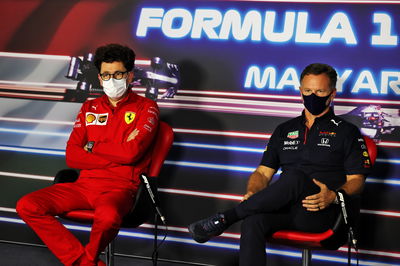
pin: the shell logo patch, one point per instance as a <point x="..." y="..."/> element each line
<point x="129" y="117"/>
<point x="96" y="119"/>
<point x="90" y="118"/>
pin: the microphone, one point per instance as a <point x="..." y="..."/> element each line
<point x="146" y="182"/>
<point x="341" y="195"/>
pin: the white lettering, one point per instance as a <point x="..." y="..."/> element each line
<point x="206" y="20"/>
<point x="291" y="142"/>
<point x="384" y="37"/>
<point x="267" y="77"/>
<point x="149" y="18"/>
<point x="289" y="78"/>
<point x="290" y="148"/>
<point x="174" y="15"/>
<point x="365" y="81"/>
<point x="393" y="84"/>
<point x="215" y="25"/>
<point x="301" y="30"/>
<point x="288" y="27"/>
<point x="253" y="74"/>
<point x="342" y="79"/>
<point x="339" y="27"/>
<point x="232" y="23"/>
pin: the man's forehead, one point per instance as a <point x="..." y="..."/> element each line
<point x="313" y="78"/>
<point x="113" y="66"/>
<point x="318" y="76"/>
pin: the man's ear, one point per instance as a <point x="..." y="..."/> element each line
<point x="333" y="95"/>
<point x="101" y="81"/>
<point x="131" y="76"/>
<point x="301" y="94"/>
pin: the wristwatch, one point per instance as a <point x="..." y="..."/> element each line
<point x="90" y="146"/>
<point x="337" y="198"/>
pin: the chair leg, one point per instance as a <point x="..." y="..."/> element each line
<point x="110" y="254"/>
<point x="306" y="257"/>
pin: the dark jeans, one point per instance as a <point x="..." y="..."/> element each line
<point x="278" y="207"/>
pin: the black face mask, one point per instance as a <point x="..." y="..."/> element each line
<point x="315" y="104"/>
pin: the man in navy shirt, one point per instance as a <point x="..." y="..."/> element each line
<point x="318" y="152"/>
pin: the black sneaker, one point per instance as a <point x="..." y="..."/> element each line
<point x="205" y="229"/>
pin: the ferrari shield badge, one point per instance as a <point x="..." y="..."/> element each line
<point x="129" y="117"/>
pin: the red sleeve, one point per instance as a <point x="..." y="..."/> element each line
<point x="128" y="152"/>
<point x="76" y="156"/>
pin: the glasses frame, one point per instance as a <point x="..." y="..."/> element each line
<point x="107" y="76"/>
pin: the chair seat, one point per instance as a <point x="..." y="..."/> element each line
<point x="301" y="239"/>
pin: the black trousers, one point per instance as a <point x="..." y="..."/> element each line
<point x="278" y="207"/>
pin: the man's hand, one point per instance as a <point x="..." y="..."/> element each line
<point x="132" y="135"/>
<point x="321" y="200"/>
<point x="247" y="195"/>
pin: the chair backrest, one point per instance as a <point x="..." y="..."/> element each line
<point x="372" y="149"/>
<point x="340" y="230"/>
<point x="163" y="143"/>
<point x="332" y="238"/>
<point x="143" y="208"/>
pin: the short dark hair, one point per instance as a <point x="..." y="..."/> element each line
<point x="317" y="69"/>
<point x="114" y="53"/>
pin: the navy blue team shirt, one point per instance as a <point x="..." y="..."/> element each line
<point x="331" y="149"/>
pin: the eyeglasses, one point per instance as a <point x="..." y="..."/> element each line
<point x="117" y="75"/>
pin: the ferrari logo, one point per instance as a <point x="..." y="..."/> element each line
<point x="129" y="117"/>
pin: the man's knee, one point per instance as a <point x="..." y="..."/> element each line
<point x="28" y="206"/>
<point x="108" y="217"/>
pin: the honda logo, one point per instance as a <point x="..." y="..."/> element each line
<point x="324" y="141"/>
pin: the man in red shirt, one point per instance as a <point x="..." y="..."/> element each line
<point x="110" y="136"/>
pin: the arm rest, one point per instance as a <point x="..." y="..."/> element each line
<point x="66" y="176"/>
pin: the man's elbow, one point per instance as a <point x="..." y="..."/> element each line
<point x="131" y="157"/>
<point x="71" y="161"/>
<point x="135" y="152"/>
<point x="70" y="157"/>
